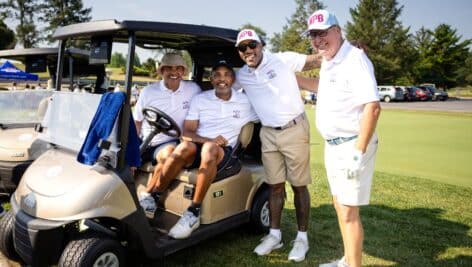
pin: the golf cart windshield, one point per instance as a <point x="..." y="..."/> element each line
<point x="22" y="107"/>
<point x="68" y="118"/>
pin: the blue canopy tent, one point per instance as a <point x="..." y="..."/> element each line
<point x="8" y="71"/>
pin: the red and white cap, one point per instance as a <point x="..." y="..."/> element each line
<point x="247" y="34"/>
<point x="320" y="20"/>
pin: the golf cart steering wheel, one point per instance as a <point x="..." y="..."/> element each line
<point x="162" y="122"/>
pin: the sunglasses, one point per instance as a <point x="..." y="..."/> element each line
<point x="321" y="34"/>
<point x="242" y="47"/>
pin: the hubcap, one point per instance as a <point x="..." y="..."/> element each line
<point x="107" y="259"/>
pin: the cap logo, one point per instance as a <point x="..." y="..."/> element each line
<point x="316" y="18"/>
<point x="243" y="34"/>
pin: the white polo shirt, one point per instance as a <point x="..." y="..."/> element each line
<point x="272" y="87"/>
<point x="173" y="103"/>
<point x="347" y="83"/>
<point x="220" y="117"/>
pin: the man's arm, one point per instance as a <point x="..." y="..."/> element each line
<point x="369" y="120"/>
<point x="138" y="124"/>
<point x="312" y="61"/>
<point x="190" y="134"/>
<point x="309" y="84"/>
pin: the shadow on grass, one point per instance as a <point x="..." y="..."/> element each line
<point x="393" y="237"/>
<point x="399" y="237"/>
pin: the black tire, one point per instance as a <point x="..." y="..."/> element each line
<point x="387" y="99"/>
<point x="6" y="236"/>
<point x="259" y="222"/>
<point x="94" y="250"/>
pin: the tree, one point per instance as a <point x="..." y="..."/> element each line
<point x="8" y="40"/>
<point x="442" y="55"/>
<point x="62" y="12"/>
<point x="464" y="73"/>
<point x="22" y="11"/>
<point x="376" y="23"/>
<point x="117" y="60"/>
<point x="290" y="38"/>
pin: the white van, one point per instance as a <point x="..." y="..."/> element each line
<point x="389" y="93"/>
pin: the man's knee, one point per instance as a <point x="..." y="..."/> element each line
<point x="347" y="214"/>
<point x="184" y="150"/>
<point x="210" y="153"/>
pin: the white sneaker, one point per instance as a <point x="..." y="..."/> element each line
<point x="299" y="250"/>
<point x="269" y="243"/>
<point x="337" y="263"/>
<point x="185" y="226"/>
<point x="147" y="202"/>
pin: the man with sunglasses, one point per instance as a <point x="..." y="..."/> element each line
<point x="347" y="111"/>
<point x="270" y="83"/>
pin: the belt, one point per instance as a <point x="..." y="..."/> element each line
<point x="339" y="140"/>
<point x="291" y="122"/>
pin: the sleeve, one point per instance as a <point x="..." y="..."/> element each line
<point x="193" y="112"/>
<point x="363" y="81"/>
<point x="138" y="111"/>
<point x="295" y="61"/>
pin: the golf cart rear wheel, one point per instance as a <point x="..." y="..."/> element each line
<point x="92" y="250"/>
<point x="6" y="236"/>
<point x="260" y="222"/>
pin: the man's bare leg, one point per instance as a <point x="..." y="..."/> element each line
<point x="352" y="232"/>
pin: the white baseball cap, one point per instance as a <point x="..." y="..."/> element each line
<point x="320" y="20"/>
<point x="172" y="59"/>
<point x="247" y="34"/>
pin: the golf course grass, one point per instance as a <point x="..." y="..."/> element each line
<point x="430" y="145"/>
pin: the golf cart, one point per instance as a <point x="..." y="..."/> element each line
<point x="71" y="214"/>
<point x="22" y="110"/>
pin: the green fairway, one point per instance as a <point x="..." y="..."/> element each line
<point x="431" y="145"/>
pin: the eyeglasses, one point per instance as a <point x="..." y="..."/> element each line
<point x="321" y="34"/>
<point x="242" y="47"/>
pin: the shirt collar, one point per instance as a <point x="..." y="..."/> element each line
<point x="342" y="52"/>
<point x="164" y="88"/>
<point x="231" y="99"/>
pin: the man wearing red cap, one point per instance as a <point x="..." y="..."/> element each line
<point x="347" y="111"/>
<point x="270" y="83"/>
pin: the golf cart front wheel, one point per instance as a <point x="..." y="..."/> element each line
<point x="6" y="236"/>
<point x="92" y="250"/>
<point x="260" y="222"/>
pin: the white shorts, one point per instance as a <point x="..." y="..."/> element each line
<point x="350" y="192"/>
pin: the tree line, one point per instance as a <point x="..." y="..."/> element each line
<point x="400" y="57"/>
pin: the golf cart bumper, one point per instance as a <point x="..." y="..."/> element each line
<point x="11" y="173"/>
<point x="37" y="241"/>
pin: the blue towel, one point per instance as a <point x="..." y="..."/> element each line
<point x="101" y="127"/>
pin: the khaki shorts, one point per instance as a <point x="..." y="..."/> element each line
<point x="351" y="192"/>
<point x="286" y="154"/>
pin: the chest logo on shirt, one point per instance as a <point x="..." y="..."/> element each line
<point x="271" y="74"/>
<point x="185" y="105"/>
<point x="236" y="114"/>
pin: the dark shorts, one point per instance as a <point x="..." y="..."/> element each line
<point x="198" y="157"/>
<point x="150" y="152"/>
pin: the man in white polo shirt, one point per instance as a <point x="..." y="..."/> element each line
<point x="171" y="95"/>
<point x="211" y="130"/>
<point x="347" y="111"/>
<point x="270" y="83"/>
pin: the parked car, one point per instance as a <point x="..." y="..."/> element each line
<point x="407" y="94"/>
<point x="436" y="94"/>
<point x="429" y="95"/>
<point x="419" y="94"/>
<point x="309" y="98"/>
<point x="389" y="93"/>
<point x="66" y="213"/>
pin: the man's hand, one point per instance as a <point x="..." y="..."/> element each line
<point x="220" y="141"/>
<point x="354" y="160"/>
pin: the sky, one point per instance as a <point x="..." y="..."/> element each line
<point x="272" y="15"/>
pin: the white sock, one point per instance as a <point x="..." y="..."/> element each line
<point x="276" y="232"/>
<point x="302" y="235"/>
